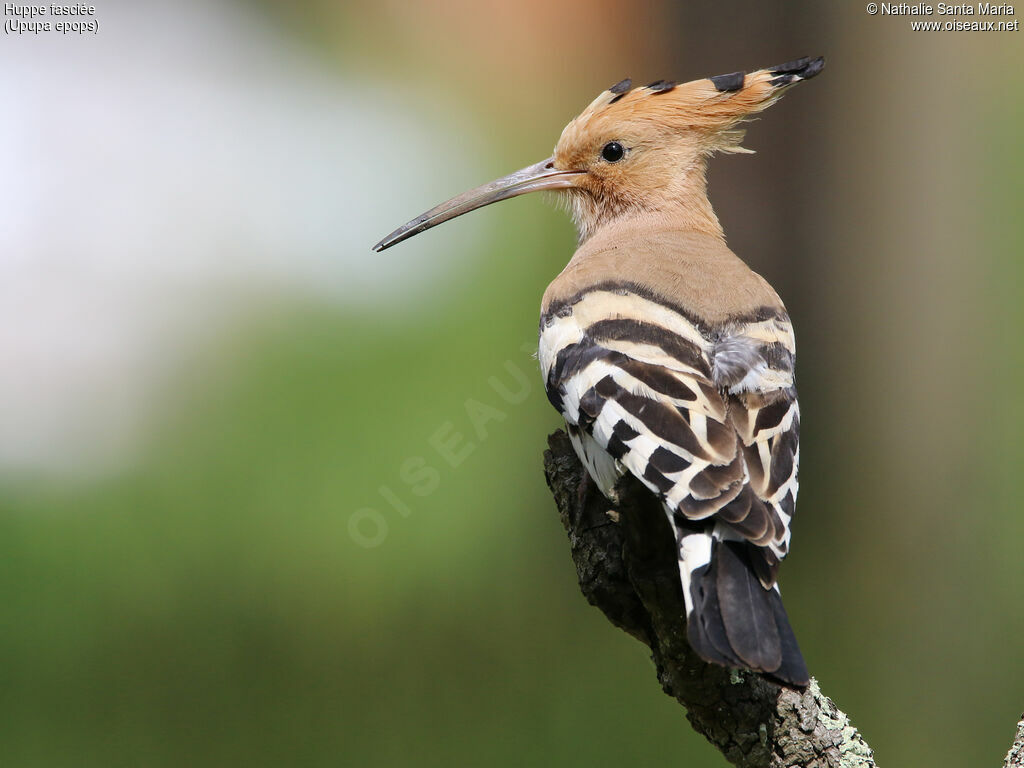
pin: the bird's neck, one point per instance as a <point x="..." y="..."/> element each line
<point x="693" y="213"/>
<point x="682" y="205"/>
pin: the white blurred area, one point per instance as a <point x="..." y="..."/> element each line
<point x="158" y="176"/>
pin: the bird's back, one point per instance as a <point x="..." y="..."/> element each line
<point x="694" y="272"/>
<point x="670" y="359"/>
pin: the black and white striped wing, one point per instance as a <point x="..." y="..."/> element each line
<point x="706" y="418"/>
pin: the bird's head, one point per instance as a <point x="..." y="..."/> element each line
<point x="636" y="151"/>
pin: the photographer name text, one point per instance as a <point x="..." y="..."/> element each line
<point x="945" y="9"/>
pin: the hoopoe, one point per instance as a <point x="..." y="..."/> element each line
<point x="668" y="357"/>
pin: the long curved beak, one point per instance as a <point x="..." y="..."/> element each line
<point x="542" y="175"/>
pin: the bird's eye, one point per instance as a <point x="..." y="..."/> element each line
<point x="613" y="152"/>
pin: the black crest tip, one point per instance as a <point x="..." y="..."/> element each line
<point x="798" y="69"/>
<point x="621" y="87"/>
<point x="661" y="86"/>
<point x="731" y="82"/>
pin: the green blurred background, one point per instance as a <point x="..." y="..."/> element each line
<point x="227" y="536"/>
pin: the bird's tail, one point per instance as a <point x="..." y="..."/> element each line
<point x="731" y="618"/>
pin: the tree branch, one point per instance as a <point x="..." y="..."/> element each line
<point x="630" y="572"/>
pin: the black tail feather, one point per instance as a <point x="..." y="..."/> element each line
<point x="739" y="623"/>
<point x="704" y="627"/>
<point x="793" y="668"/>
<point x="746" y="610"/>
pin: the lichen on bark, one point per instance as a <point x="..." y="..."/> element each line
<point x="1015" y="757"/>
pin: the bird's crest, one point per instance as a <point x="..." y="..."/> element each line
<point x="709" y="108"/>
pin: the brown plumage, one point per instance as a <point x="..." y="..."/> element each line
<point x="683" y="266"/>
<point x="668" y="357"/>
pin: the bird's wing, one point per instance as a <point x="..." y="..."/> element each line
<point x="754" y="365"/>
<point x="705" y="418"/>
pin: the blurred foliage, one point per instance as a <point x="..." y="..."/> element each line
<point x="211" y="608"/>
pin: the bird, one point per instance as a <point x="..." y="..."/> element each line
<point x="667" y="356"/>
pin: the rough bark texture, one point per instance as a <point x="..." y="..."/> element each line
<point x="1015" y="757"/>
<point x="629" y="571"/>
